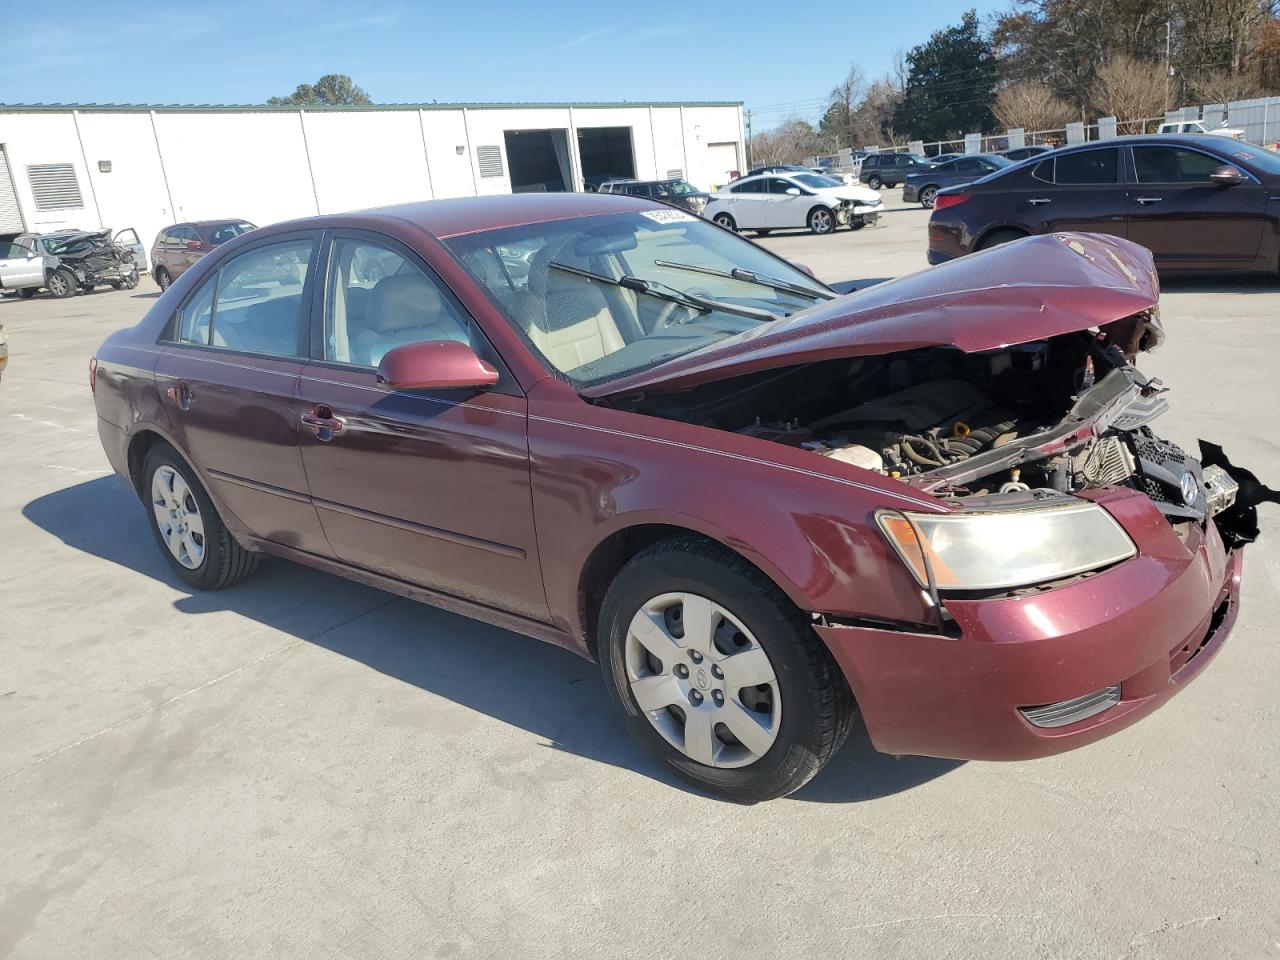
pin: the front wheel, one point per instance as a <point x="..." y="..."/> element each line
<point x="61" y="284"/>
<point x="187" y="527"/>
<point x="718" y="674"/>
<point x="724" y="220"/>
<point x="928" y="196"/>
<point x="821" y="220"/>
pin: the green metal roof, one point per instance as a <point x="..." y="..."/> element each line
<point x="339" y="108"/>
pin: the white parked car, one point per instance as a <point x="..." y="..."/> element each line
<point x="1199" y="126"/>
<point x="776" y="201"/>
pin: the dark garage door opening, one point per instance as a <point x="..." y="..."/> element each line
<point x="606" y="154"/>
<point x="538" y="161"/>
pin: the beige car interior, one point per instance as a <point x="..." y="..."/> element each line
<point x="571" y="321"/>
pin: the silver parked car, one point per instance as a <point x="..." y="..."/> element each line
<point x="70" y="261"/>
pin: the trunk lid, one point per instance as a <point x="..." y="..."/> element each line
<point x="1019" y="292"/>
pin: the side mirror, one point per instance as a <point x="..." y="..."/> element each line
<point x="1226" y="175"/>
<point x="435" y="365"/>
<point x="793" y="191"/>
<point x="194" y="245"/>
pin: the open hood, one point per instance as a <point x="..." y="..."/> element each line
<point x="1018" y="292"/>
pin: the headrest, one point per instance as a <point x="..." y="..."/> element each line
<point x="403" y="301"/>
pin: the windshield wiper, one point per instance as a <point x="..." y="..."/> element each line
<point x="750" y="276"/>
<point x="661" y="291"/>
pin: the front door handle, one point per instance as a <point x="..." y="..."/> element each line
<point x="321" y="421"/>
<point x="1036" y="201"/>
<point x="1149" y="199"/>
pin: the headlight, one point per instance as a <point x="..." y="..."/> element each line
<point x="991" y="551"/>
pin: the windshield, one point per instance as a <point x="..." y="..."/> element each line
<point x="677" y="188"/>
<point x="1264" y="160"/>
<point x="558" y="284"/>
<point x="817" y="181"/>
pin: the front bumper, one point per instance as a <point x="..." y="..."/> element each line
<point x="1149" y="624"/>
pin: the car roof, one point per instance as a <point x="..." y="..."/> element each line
<point x="464" y="215"/>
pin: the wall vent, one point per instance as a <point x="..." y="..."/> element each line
<point x="489" y="160"/>
<point x="676" y="174"/>
<point x="54" y="186"/>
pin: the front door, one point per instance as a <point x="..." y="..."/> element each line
<point x="128" y="238"/>
<point x="1082" y="190"/>
<point x="1186" y="219"/>
<point x="784" y="209"/>
<point x="227" y="379"/>
<point x="429" y="487"/>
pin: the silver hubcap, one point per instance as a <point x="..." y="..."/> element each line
<point x="57" y="284"/>
<point x="703" y="680"/>
<point x="178" y="517"/>
<point x="822" y="221"/>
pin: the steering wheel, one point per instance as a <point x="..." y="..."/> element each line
<point x="667" y="315"/>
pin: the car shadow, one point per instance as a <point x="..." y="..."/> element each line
<point x="538" y="687"/>
<point x="153" y="295"/>
<point x="1219" y="283"/>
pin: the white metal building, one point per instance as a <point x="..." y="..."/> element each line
<point x="93" y="166"/>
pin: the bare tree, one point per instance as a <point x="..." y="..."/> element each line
<point x="1129" y="89"/>
<point x="1031" y="105"/>
<point x="791" y="142"/>
<point x="837" y="122"/>
<point x="1223" y="87"/>
<point x="900" y="69"/>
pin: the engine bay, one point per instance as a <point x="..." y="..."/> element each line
<point x="1062" y="415"/>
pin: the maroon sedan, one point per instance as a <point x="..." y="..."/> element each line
<point x="762" y="507"/>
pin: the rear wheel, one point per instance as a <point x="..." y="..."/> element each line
<point x="928" y="196"/>
<point x="61" y="284"/>
<point x="187" y="527"/>
<point x="999" y="237"/>
<point x="162" y="278"/>
<point x="724" y="220"/>
<point x="718" y="674"/>
<point x="874" y="182"/>
<point x="763" y="233"/>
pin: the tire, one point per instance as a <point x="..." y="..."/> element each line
<point x="857" y="224"/>
<point x="927" y="197"/>
<point x="26" y="293"/>
<point x="874" y="182"/>
<point x="207" y="558"/>
<point x="763" y="233"/>
<point x="61" y="284"/>
<point x="998" y="237"/>
<point x="821" y="220"/>
<point x="130" y="281"/>
<point x="163" y="279"/>
<point x="801" y="692"/>
<point x="726" y="221"/>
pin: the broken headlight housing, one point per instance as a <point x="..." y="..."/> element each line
<point x="1006" y="548"/>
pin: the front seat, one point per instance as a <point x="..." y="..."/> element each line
<point x="572" y="323"/>
<point x="405" y="308"/>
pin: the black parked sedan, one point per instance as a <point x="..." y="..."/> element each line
<point x="1197" y="202"/>
<point x="1018" y="154"/>
<point x="923" y="185"/>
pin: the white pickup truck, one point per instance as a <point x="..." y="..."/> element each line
<point x="1199" y="126"/>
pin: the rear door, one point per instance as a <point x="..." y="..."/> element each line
<point x="21" y="264"/>
<point x="429" y="487"/>
<point x="227" y="378"/>
<point x="1082" y="190"/>
<point x="1186" y="219"/>
<point x="182" y="250"/>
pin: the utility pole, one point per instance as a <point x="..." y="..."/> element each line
<point x="1168" y="67"/>
<point x="749" y="140"/>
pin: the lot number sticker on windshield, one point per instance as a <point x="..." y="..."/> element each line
<point x="667" y="216"/>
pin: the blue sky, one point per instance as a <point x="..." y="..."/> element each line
<point x="244" y="52"/>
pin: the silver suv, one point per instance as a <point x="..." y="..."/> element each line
<point x="68" y="262"/>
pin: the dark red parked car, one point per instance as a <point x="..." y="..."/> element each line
<point x="1197" y="203"/>
<point x="617" y="427"/>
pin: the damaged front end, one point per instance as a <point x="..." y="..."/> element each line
<point x="94" y="259"/>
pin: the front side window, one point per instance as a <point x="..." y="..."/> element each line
<point x="1173" y="165"/>
<point x="1088" y="167"/>
<point x="253" y="303"/>
<point x="751" y="186"/>
<point x="601" y="297"/>
<point x="377" y="300"/>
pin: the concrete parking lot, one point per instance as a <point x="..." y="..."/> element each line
<point x="304" y="767"/>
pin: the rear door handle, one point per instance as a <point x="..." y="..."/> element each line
<point x="1149" y="199"/>
<point x="1036" y="201"/>
<point x="321" y="421"/>
<point x="180" y="393"/>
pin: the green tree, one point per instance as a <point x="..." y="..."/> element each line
<point x="332" y="88"/>
<point x="950" y="84"/>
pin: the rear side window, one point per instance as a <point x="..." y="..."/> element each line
<point x="254" y="303"/>
<point x="751" y="186"/>
<point x="1087" y="166"/>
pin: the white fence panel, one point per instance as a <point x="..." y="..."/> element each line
<point x="1106" y="128"/>
<point x="973" y="143"/>
<point x="1017" y="137"/>
<point x="1075" y="132"/>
